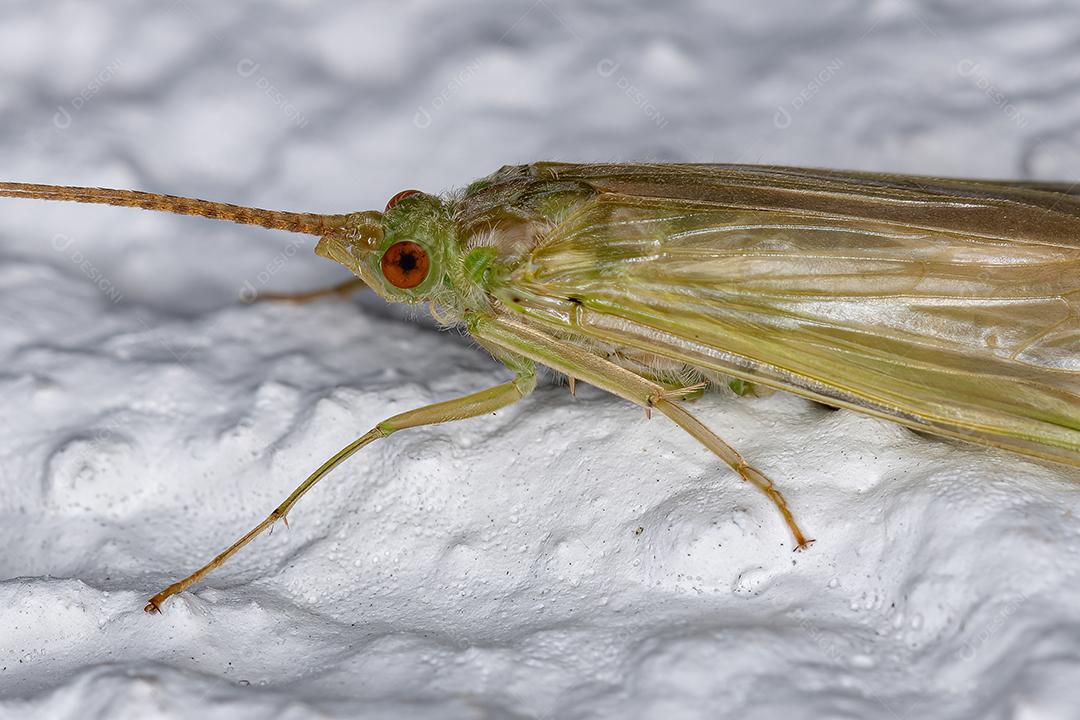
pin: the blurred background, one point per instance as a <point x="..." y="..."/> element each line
<point x="562" y="559"/>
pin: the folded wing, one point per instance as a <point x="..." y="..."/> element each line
<point x="952" y="306"/>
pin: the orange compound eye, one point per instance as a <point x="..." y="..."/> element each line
<point x="405" y="264"/>
<point x="399" y="197"/>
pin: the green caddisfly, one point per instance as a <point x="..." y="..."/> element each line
<point x="950" y="306"/>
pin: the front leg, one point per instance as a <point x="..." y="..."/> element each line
<point x="478" y="403"/>
<point x="342" y="289"/>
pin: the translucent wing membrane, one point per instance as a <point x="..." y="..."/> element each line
<point x="951" y="306"/>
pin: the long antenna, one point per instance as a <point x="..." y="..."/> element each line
<point x="307" y="223"/>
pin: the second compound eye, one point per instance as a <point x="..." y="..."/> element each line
<point x="405" y="264"/>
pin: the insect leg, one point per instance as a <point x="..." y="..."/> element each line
<point x="681" y="417"/>
<point x="478" y="403"/>
<point x="342" y="289"/>
<point x="572" y="360"/>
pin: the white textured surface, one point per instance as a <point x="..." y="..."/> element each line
<point x="488" y="568"/>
